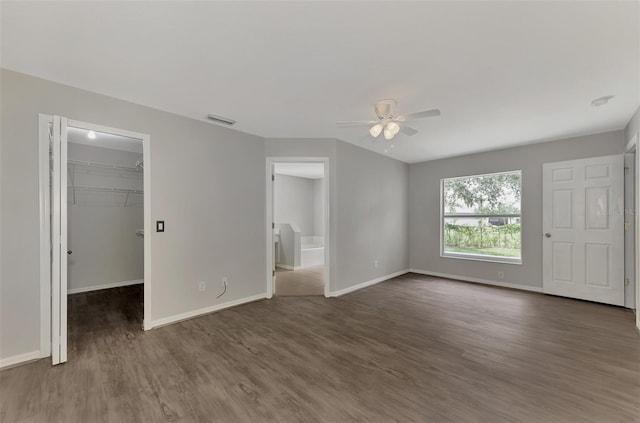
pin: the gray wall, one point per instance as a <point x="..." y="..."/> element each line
<point x="318" y="206"/>
<point x="424" y="203"/>
<point x="213" y="228"/>
<point x="294" y="202"/>
<point x="372" y="220"/>
<point x="101" y="231"/>
<point x="368" y="208"/>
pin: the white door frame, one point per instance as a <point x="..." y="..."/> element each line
<point x="270" y="161"/>
<point x="631" y="147"/>
<point x="46" y="316"/>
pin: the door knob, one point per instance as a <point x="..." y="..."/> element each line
<point x="69" y="252"/>
<point x="548" y="235"/>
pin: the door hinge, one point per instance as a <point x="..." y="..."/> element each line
<point x="273" y="225"/>
<point x="273" y="177"/>
<point x="273" y="273"/>
<point x="626" y="281"/>
<point x="626" y="170"/>
<point x="626" y="226"/>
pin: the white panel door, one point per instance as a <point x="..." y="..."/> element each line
<point x="59" y="240"/>
<point x="583" y="229"/>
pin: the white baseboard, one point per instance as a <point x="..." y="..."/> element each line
<point x="477" y="280"/>
<point x="207" y="310"/>
<point x="287" y="267"/>
<point x="104" y="286"/>
<point x="367" y="283"/>
<point x="17" y="360"/>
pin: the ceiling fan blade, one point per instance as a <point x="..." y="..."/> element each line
<point x="419" y="115"/>
<point x="407" y="130"/>
<point x="356" y="123"/>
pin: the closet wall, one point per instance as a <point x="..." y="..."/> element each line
<point x="102" y="225"/>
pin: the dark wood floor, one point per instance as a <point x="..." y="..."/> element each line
<point x="413" y="349"/>
<point x="309" y="281"/>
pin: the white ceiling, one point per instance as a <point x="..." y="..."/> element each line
<point x="302" y="170"/>
<point x="503" y="73"/>
<point x="104" y="140"/>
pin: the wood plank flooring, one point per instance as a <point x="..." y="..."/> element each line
<point x="413" y="349"/>
<point x="308" y="281"/>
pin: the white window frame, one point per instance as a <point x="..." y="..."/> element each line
<point x="478" y="257"/>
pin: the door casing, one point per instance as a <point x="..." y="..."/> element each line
<point x="50" y="317"/>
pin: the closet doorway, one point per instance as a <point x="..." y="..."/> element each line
<point x="95" y="257"/>
<point x="298" y="226"/>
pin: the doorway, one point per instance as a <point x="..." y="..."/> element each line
<point x="297" y="226"/>
<point x="94" y="254"/>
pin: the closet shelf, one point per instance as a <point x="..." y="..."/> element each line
<point x="75" y="188"/>
<point x="105" y="189"/>
<point x="102" y="165"/>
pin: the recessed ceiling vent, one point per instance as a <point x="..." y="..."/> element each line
<point x="220" y="119"/>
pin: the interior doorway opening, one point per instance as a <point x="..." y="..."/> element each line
<point x="95" y="258"/>
<point x="298" y="226"/>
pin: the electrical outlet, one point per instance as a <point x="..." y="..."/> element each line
<point x="225" y="281"/>
<point x="500" y="275"/>
<point x="375" y="264"/>
<point x="202" y="286"/>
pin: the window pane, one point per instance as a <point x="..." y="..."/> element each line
<point x="493" y="236"/>
<point x="488" y="194"/>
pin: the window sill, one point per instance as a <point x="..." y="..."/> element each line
<point x="477" y="257"/>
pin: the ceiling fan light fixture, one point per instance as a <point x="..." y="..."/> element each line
<point x="375" y="130"/>
<point x="388" y="135"/>
<point x="393" y="127"/>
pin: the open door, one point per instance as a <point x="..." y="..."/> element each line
<point x="583" y="229"/>
<point x="275" y="242"/>
<point x="58" y="138"/>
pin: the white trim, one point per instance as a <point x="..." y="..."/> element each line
<point x="477" y="280"/>
<point x="368" y="283"/>
<point x="64" y="241"/>
<point x="633" y="146"/>
<point x="45" y="233"/>
<point x="20" y="359"/>
<point x="482" y="257"/>
<point x="55" y="243"/>
<point x="207" y="310"/>
<point x="287" y="267"/>
<point x="104" y="286"/>
<point x="270" y="161"/>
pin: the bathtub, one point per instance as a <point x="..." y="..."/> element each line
<point x="311" y="251"/>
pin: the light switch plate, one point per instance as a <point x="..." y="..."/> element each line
<point x="159" y="225"/>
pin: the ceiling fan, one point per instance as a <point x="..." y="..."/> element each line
<point x="389" y="123"/>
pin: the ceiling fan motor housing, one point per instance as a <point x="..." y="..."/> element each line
<point x="386" y="109"/>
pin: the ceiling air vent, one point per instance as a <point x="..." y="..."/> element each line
<point x="220" y="119"/>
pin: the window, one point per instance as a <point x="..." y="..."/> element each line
<point x="481" y="217"/>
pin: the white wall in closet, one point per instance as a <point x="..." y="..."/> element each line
<point x="102" y="225"/>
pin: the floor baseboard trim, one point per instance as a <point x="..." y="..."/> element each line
<point x="207" y="310"/>
<point x="477" y="280"/>
<point x="353" y="288"/>
<point x="287" y="267"/>
<point x="18" y="360"/>
<point x="104" y="286"/>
